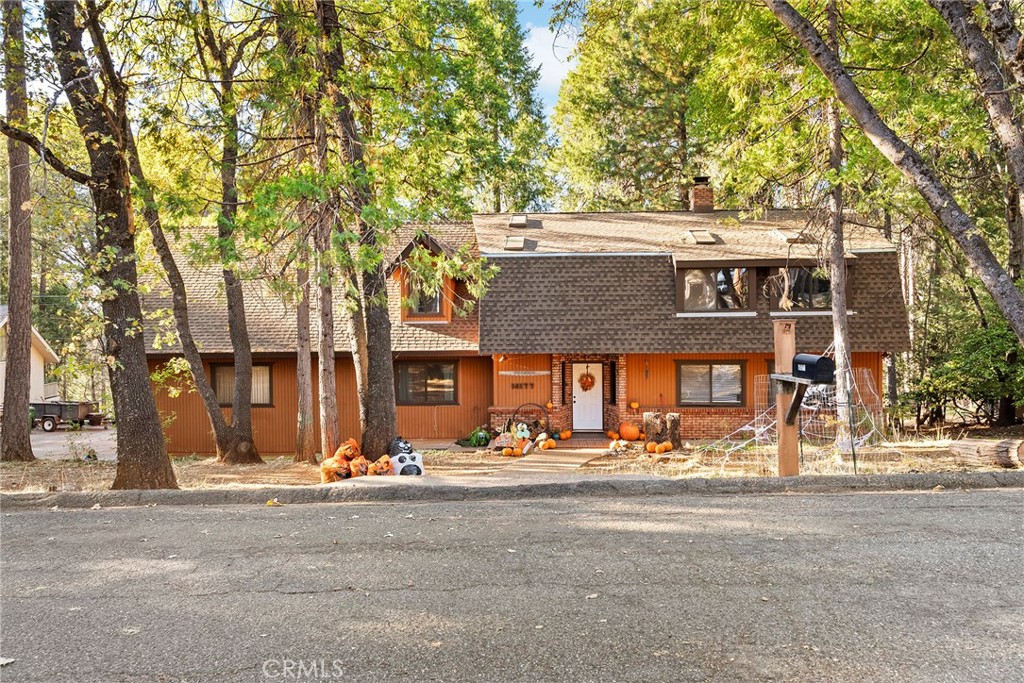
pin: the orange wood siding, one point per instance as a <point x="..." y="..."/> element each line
<point x="188" y="431"/>
<point x="509" y="396"/>
<point x="651" y="378"/>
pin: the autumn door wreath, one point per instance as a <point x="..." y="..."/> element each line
<point x="587" y="381"/>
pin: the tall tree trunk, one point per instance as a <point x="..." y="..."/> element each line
<point x="330" y="436"/>
<point x="240" y="447"/>
<point x="905" y="158"/>
<point x="837" y="256"/>
<point x="15" y="438"/>
<point x="142" y="460"/>
<point x="222" y="431"/>
<point x="305" y="434"/>
<point x="377" y="397"/>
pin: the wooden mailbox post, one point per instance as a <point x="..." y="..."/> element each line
<point x="789" y="436"/>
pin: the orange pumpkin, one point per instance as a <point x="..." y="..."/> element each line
<point x="565" y="434"/>
<point x="668" y="445"/>
<point x="550" y="443"/>
<point x="517" y="452"/>
<point x="333" y="469"/>
<point x="358" y="466"/>
<point x="629" y="431"/>
<point x="381" y="466"/>
<point x="611" y="435"/>
<point x="506" y="452"/>
<point x="660" y="448"/>
<point x="348" y="450"/>
<point x="643" y="436"/>
<point x="651" y="446"/>
<point x="549" y="405"/>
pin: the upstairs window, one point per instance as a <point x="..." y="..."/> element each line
<point x="428" y="304"/>
<point x="804" y="289"/>
<point x="714" y="289"/>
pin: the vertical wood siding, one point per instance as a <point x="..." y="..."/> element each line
<point x="187" y="427"/>
<point x="651" y="378"/>
<point x="505" y="395"/>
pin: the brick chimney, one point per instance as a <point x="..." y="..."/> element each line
<point x="702" y="196"/>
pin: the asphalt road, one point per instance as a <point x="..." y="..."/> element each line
<point x="852" y="587"/>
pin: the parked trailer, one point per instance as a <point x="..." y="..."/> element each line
<point x="51" y="414"/>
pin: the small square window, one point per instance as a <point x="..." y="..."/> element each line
<point x="223" y="381"/>
<point x="804" y="289"/>
<point x="714" y="289"/>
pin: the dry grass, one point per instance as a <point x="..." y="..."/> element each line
<point x="922" y="455"/>
<point x="202" y="473"/>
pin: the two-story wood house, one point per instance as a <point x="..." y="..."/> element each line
<point x="597" y="317"/>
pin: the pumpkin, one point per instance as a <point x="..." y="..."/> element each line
<point x="550" y="443"/>
<point x="651" y="446"/>
<point x="333" y="469"/>
<point x="643" y="436"/>
<point x="381" y="466"/>
<point x="634" y="404"/>
<point x="611" y="435"/>
<point x="358" y="466"/>
<point x="517" y="452"/>
<point x="668" y="445"/>
<point x="660" y="448"/>
<point x="549" y="405"/>
<point x="566" y="434"/>
<point x="348" y="450"/>
<point x="506" y="452"/>
<point x="629" y="431"/>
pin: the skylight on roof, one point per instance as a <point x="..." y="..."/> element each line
<point x="515" y="243"/>
<point x="702" y="237"/>
<point x="518" y="220"/>
<point x="792" y="236"/>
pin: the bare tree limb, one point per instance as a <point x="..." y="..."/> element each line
<point x="43" y="151"/>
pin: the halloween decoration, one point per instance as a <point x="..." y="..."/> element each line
<point x="381" y="466"/>
<point x="629" y="431"/>
<point x="479" y="437"/>
<point x="404" y="460"/>
<point x="618" y="446"/>
<point x="634" y="404"/>
<point x="587" y="381"/>
<point x="333" y="469"/>
<point x="565" y="434"/>
<point x="358" y="466"/>
<point x="348" y="450"/>
<point x="651" y="446"/>
<point x="549" y="405"/>
<point x="507" y="452"/>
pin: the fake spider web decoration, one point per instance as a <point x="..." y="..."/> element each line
<point x="817" y="421"/>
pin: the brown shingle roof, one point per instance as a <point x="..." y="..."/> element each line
<point x="626" y="304"/>
<point x="736" y="236"/>
<point x="271" y="320"/>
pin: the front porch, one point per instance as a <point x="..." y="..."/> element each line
<point x="582" y="392"/>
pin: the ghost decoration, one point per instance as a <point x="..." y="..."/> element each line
<point x="404" y="460"/>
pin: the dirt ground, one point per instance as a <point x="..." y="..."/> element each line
<point x="199" y="473"/>
<point x="914" y="453"/>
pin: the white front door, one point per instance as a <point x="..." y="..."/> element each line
<point x="587" y="405"/>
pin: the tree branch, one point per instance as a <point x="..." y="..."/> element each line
<point x="43" y="151"/>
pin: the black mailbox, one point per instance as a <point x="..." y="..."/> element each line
<point x="818" y="369"/>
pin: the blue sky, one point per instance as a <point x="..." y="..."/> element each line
<point x="550" y="51"/>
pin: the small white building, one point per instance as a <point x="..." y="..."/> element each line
<point x="41" y="355"/>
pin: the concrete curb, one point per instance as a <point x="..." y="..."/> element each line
<point x="373" y="489"/>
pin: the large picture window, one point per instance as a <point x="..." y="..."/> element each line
<point x="224" y="384"/>
<point x="426" y="382"/>
<point x="715" y="289"/>
<point x="704" y="383"/>
<point x="805" y="289"/>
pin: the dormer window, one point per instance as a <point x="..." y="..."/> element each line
<point x="427" y="307"/>
<point x="713" y="289"/>
<point x="805" y="289"/>
<point x="428" y="304"/>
